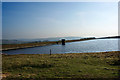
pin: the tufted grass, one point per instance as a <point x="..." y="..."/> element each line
<point x="70" y="65"/>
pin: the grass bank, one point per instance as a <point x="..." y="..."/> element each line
<point x="71" y="65"/>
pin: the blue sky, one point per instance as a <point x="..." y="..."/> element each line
<point x="59" y="19"/>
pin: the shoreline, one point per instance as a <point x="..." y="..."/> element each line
<point x="68" y="53"/>
<point x="7" y="47"/>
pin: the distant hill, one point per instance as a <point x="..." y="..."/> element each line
<point x="4" y="41"/>
<point x="109" y="37"/>
<point x="19" y="41"/>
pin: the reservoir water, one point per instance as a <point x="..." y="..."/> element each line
<point x="97" y="45"/>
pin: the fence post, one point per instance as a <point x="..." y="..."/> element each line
<point x="50" y="51"/>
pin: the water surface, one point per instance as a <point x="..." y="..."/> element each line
<point x="97" y="45"/>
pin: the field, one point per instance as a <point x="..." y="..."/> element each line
<point x="71" y="65"/>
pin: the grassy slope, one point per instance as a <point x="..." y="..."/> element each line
<point x="75" y="65"/>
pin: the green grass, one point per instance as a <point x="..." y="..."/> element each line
<point x="72" y="65"/>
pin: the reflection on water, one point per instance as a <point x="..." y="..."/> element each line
<point x="98" y="45"/>
<point x="63" y="49"/>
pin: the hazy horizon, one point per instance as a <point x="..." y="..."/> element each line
<point x="48" y="37"/>
<point x="30" y="20"/>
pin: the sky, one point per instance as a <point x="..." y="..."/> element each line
<point x="30" y="20"/>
